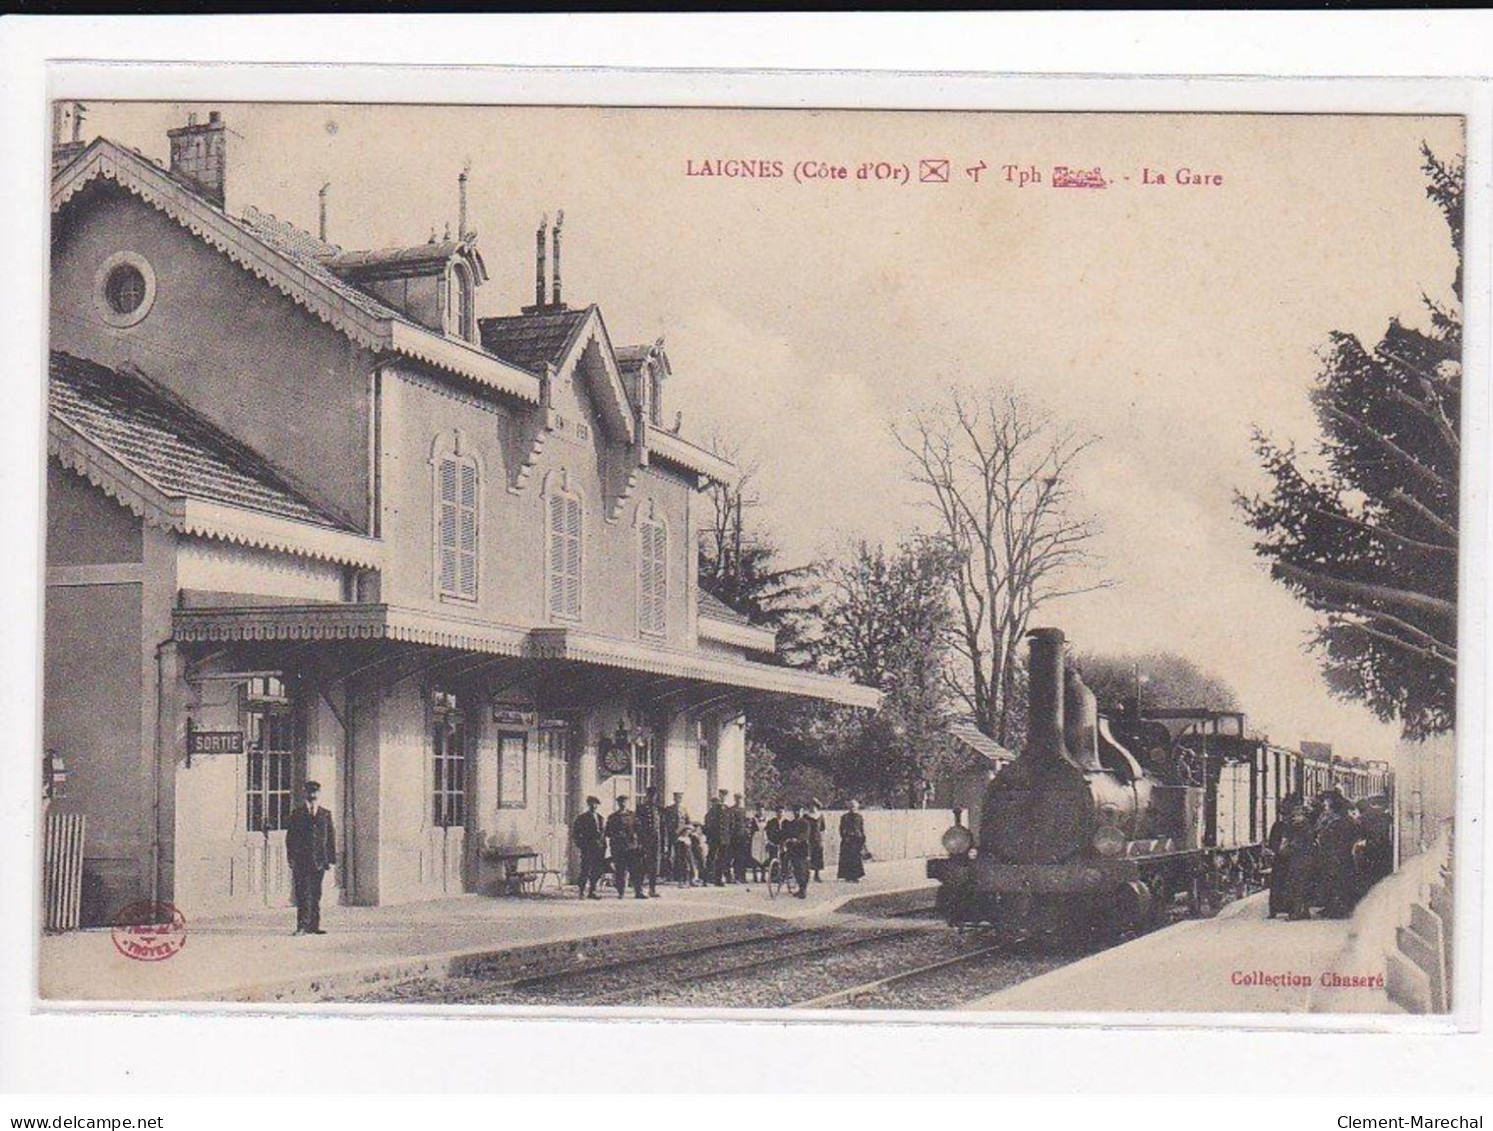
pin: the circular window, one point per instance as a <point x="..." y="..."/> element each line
<point x="126" y="289"/>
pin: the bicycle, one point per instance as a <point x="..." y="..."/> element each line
<point x="779" y="872"/>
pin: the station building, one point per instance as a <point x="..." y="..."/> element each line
<point x="309" y="516"/>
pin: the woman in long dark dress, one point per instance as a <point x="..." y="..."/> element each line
<point x="852" y="844"/>
<point x="1280" y="864"/>
<point x="816" y="823"/>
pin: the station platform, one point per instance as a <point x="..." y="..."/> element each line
<point x="1239" y="961"/>
<point x="255" y="957"/>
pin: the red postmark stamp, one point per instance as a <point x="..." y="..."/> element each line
<point x="149" y="931"/>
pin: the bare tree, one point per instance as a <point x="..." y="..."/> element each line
<point x="739" y="563"/>
<point x="998" y="472"/>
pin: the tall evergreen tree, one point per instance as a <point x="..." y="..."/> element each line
<point x="1370" y="541"/>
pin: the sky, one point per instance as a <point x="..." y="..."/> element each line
<point x="803" y="316"/>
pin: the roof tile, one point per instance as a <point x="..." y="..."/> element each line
<point x="169" y="445"/>
<point x="532" y="341"/>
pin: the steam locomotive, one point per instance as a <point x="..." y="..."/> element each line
<point x="1104" y="823"/>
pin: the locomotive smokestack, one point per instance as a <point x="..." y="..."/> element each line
<point x="1045" y="738"/>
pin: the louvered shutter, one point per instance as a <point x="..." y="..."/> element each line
<point x="653" y="565"/>
<point x="448" y="524"/>
<point x="660" y="579"/>
<point x="467" y="544"/>
<point x="645" y="578"/>
<point x="573" y="557"/>
<point x="557" y="555"/>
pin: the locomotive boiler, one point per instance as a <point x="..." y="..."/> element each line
<point x="1103" y="823"/>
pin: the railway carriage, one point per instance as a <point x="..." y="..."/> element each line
<point x="1103" y="824"/>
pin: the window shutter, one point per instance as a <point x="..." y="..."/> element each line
<point x="557" y="555"/>
<point x="573" y="557"/>
<point x="660" y="577"/>
<point x="456" y="533"/>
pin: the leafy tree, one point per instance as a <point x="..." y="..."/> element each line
<point x="886" y="620"/>
<point x="1166" y="680"/>
<point x="764" y="783"/>
<point x="1369" y="539"/>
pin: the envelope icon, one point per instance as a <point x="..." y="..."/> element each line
<point x="934" y="171"/>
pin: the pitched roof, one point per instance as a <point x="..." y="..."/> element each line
<point x="973" y="739"/>
<point x="168" y="445"/>
<point x="716" y="609"/>
<point x="532" y="341"/>
<point x="291" y="261"/>
<point x="399" y="260"/>
<point x="311" y="255"/>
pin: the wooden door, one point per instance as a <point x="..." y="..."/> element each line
<point x="270" y="762"/>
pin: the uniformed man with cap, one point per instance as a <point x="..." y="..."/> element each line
<point x="650" y="839"/>
<point x="625" y="845"/>
<point x="716" y="832"/>
<point x="311" y="846"/>
<point x="588" y="831"/>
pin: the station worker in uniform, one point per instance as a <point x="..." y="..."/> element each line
<point x="626" y="848"/>
<point x="650" y="839"/>
<point x="588" y="832"/>
<point x="715" y="833"/>
<point x="311" y="846"/>
<point x="672" y="818"/>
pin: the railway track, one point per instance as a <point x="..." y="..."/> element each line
<point x="869" y="964"/>
<point x="841" y="999"/>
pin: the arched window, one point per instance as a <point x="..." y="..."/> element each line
<point x="653" y="573"/>
<point x="457" y="506"/>
<point x="564" y="533"/>
<point x="463" y="314"/>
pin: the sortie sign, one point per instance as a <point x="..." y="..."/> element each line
<point x="215" y="742"/>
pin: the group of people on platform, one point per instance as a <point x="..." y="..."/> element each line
<point x="729" y="845"/>
<point x="1327" y="852"/>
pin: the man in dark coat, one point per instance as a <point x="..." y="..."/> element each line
<point x="1376" y="859"/>
<point x="672" y="818"/>
<point x="774" y="830"/>
<point x="795" y="834"/>
<point x="588" y="832"/>
<point x="626" y="848"/>
<point x="650" y="839"/>
<point x="741" y="840"/>
<point x="715" y="834"/>
<point x="731" y="821"/>
<point x="852" y="844"/>
<point x="1337" y="838"/>
<point x="1299" y="847"/>
<point x="1280" y="861"/>
<point x="311" y="845"/>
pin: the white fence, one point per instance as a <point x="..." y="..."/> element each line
<point x="62" y="870"/>
<point x="891" y="834"/>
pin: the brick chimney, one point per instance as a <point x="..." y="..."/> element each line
<point x="199" y="154"/>
<point x="64" y="150"/>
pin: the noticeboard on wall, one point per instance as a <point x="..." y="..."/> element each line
<point x="513" y="770"/>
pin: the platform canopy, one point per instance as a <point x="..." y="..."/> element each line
<point x="563" y="664"/>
